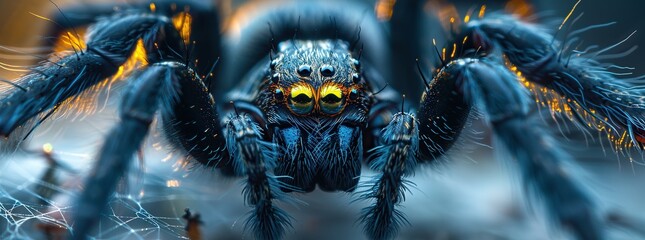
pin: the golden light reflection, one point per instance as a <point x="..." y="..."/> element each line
<point x="384" y="9"/>
<point x="70" y="41"/>
<point x="569" y="15"/>
<point x="86" y="102"/>
<point x="520" y="8"/>
<point x="153" y="7"/>
<point x="172" y="183"/>
<point x="138" y="58"/>
<point x="48" y="148"/>
<point x="446" y="13"/>
<point x="183" y="22"/>
<point x="482" y="11"/>
<point x="243" y="16"/>
<point x="560" y="106"/>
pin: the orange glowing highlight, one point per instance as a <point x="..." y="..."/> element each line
<point x="384" y="9"/>
<point x="137" y="59"/>
<point x="70" y="41"/>
<point x="446" y="12"/>
<point x="86" y="102"/>
<point x="443" y="53"/>
<point x="183" y="22"/>
<point x="454" y="50"/>
<point x="482" y="11"/>
<point x="571" y="110"/>
<point x="520" y="8"/>
<point x="153" y="7"/>
<point x="48" y="148"/>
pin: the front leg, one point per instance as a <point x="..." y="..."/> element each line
<point x="396" y="159"/>
<point x="254" y="158"/>
<point x="235" y="146"/>
<point x="488" y="84"/>
<point x="174" y="90"/>
<point x="406" y="141"/>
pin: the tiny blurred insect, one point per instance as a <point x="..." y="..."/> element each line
<point x="312" y="101"/>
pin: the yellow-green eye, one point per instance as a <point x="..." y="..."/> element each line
<point x="301" y="98"/>
<point x="331" y="99"/>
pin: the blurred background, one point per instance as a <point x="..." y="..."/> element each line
<point x="469" y="196"/>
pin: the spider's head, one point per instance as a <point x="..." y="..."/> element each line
<point x="316" y="105"/>
<point x="316" y="78"/>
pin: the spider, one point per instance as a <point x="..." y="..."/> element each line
<point x="312" y="106"/>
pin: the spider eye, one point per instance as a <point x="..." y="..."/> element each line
<point x="301" y="98"/>
<point x="331" y="99"/>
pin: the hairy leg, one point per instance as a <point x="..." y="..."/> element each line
<point x="203" y="23"/>
<point x="137" y="111"/>
<point x="541" y="161"/>
<point x="405" y="142"/>
<point x="590" y="88"/>
<point x="51" y="83"/>
<point x="489" y="84"/>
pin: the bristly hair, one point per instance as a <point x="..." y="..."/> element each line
<point x="575" y="85"/>
<point x="267" y="150"/>
<point x="255" y="159"/>
<point x="395" y="159"/>
<point x="541" y="161"/>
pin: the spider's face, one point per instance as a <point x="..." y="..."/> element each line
<point x="316" y="78"/>
<point x="319" y="109"/>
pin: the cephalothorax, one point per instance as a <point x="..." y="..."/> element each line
<point x="316" y="106"/>
<point x="311" y="105"/>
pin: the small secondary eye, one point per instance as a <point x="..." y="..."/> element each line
<point x="304" y="70"/>
<point x="278" y="94"/>
<point x="353" y="94"/>
<point x="327" y="71"/>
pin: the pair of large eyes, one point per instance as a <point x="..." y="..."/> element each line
<point x="330" y="98"/>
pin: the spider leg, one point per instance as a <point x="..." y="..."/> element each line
<point x="406" y="141"/>
<point x="204" y="23"/>
<point x="178" y="93"/>
<point x="239" y="149"/>
<point x="254" y="157"/>
<point x="409" y="140"/>
<point x="197" y="130"/>
<point x="194" y="126"/>
<point x="396" y="159"/>
<point x="137" y="111"/>
<point x="188" y="110"/>
<point x="589" y="85"/>
<point x="48" y="85"/>
<point x="541" y="161"/>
